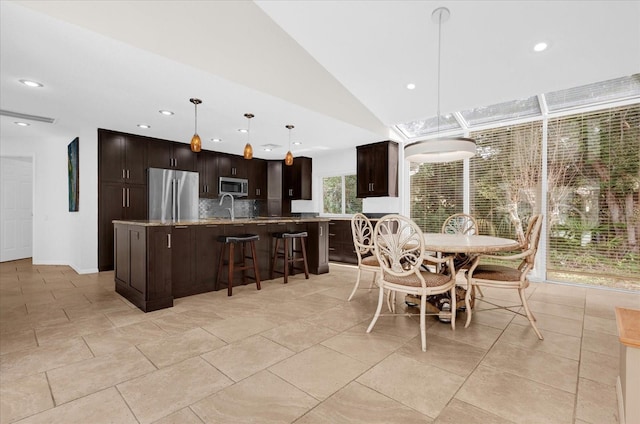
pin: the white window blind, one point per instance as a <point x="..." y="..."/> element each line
<point x="505" y="178"/>
<point x="593" y="202"/>
<point x="436" y="193"/>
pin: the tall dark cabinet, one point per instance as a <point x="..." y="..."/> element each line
<point x="122" y="189"/>
<point x="377" y="169"/>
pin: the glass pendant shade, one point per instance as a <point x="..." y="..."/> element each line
<point x="248" y="150"/>
<point x="196" y="143"/>
<point x="288" y="158"/>
<point x="442" y="149"/>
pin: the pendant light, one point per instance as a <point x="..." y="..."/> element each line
<point x="288" y="158"/>
<point x="248" y="150"/>
<point x="196" y="143"/>
<point x="441" y="149"/>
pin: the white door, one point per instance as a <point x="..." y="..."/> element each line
<point x="16" y="208"/>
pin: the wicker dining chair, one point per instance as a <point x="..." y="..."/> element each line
<point x="399" y="247"/>
<point x="506" y="277"/>
<point x="362" y="232"/>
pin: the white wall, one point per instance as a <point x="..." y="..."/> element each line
<point x="61" y="237"/>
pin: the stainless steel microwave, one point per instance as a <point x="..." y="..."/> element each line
<point x="237" y="187"/>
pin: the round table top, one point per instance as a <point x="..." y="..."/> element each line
<point x="460" y="243"/>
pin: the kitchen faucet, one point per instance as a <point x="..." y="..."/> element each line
<point x="231" y="208"/>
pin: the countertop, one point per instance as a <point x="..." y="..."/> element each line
<point x="221" y="221"/>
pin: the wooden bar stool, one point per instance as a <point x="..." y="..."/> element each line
<point x="288" y="253"/>
<point x="233" y="266"/>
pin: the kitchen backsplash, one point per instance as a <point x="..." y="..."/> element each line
<point x="211" y="208"/>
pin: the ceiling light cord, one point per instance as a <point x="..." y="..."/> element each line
<point x="440" y="11"/>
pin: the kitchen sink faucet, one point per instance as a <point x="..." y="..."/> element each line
<point x="231" y="212"/>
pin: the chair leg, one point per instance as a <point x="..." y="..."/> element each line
<point x="286" y="260"/>
<point x="304" y="256"/>
<point x="244" y="264"/>
<point x="355" y="287"/>
<point x="378" y="309"/>
<point x="523" y="298"/>
<point x="467" y="304"/>
<point x="220" y="265"/>
<point x="373" y="281"/>
<point x="275" y="258"/>
<point x="423" y="329"/>
<point x="453" y="306"/>
<point x="480" y="292"/>
<point x="231" y="261"/>
<point x="255" y="264"/>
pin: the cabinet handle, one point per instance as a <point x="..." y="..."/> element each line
<point x="321" y="231"/>
<point x="123" y="173"/>
<point x="233" y="171"/>
<point x="257" y="192"/>
<point x="128" y="198"/>
<point x="127" y="174"/>
<point x="124" y="205"/>
<point x="168" y="241"/>
<point x="175" y="162"/>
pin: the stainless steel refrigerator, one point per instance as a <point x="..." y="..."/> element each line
<point x="173" y="195"/>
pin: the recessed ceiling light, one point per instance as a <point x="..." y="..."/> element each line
<point x="297" y="143"/>
<point x="242" y="130"/>
<point x="166" y="112"/>
<point x="216" y="140"/>
<point x="22" y="124"/>
<point x="411" y="86"/>
<point x="542" y="46"/>
<point x="145" y="126"/>
<point x="267" y="149"/>
<point x="30" y="83"/>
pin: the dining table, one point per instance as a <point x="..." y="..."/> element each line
<point x="467" y="249"/>
<point x="469" y="244"/>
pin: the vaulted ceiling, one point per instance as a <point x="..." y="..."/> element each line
<point x="337" y="70"/>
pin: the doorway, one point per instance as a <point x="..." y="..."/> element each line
<point x="16" y="208"/>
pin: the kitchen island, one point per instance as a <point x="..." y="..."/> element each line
<point x="156" y="261"/>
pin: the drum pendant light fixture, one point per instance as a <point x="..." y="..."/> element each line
<point x="288" y="158"/>
<point x="441" y="149"/>
<point x="196" y="143"/>
<point x="248" y="150"/>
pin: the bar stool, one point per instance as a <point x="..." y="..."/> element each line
<point x="233" y="266"/>
<point x="288" y="253"/>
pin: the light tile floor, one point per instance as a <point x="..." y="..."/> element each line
<point x="73" y="351"/>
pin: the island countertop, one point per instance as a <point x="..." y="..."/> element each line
<point x="221" y="221"/>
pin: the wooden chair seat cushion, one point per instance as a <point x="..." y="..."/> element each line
<point x="496" y="273"/>
<point x="412" y="280"/>
<point x="370" y="261"/>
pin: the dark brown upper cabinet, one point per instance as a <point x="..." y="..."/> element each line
<point x="296" y="179"/>
<point x="377" y="169"/>
<point x="171" y="155"/>
<point x="208" y="174"/>
<point x="123" y="157"/>
<point x="258" y="179"/>
<point x="232" y="166"/>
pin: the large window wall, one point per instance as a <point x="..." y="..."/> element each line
<point x="582" y="171"/>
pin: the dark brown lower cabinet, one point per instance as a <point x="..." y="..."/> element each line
<point x="207" y="254"/>
<point x="318" y="247"/>
<point x="143" y="265"/>
<point x="155" y="264"/>
<point x="341" y="248"/>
